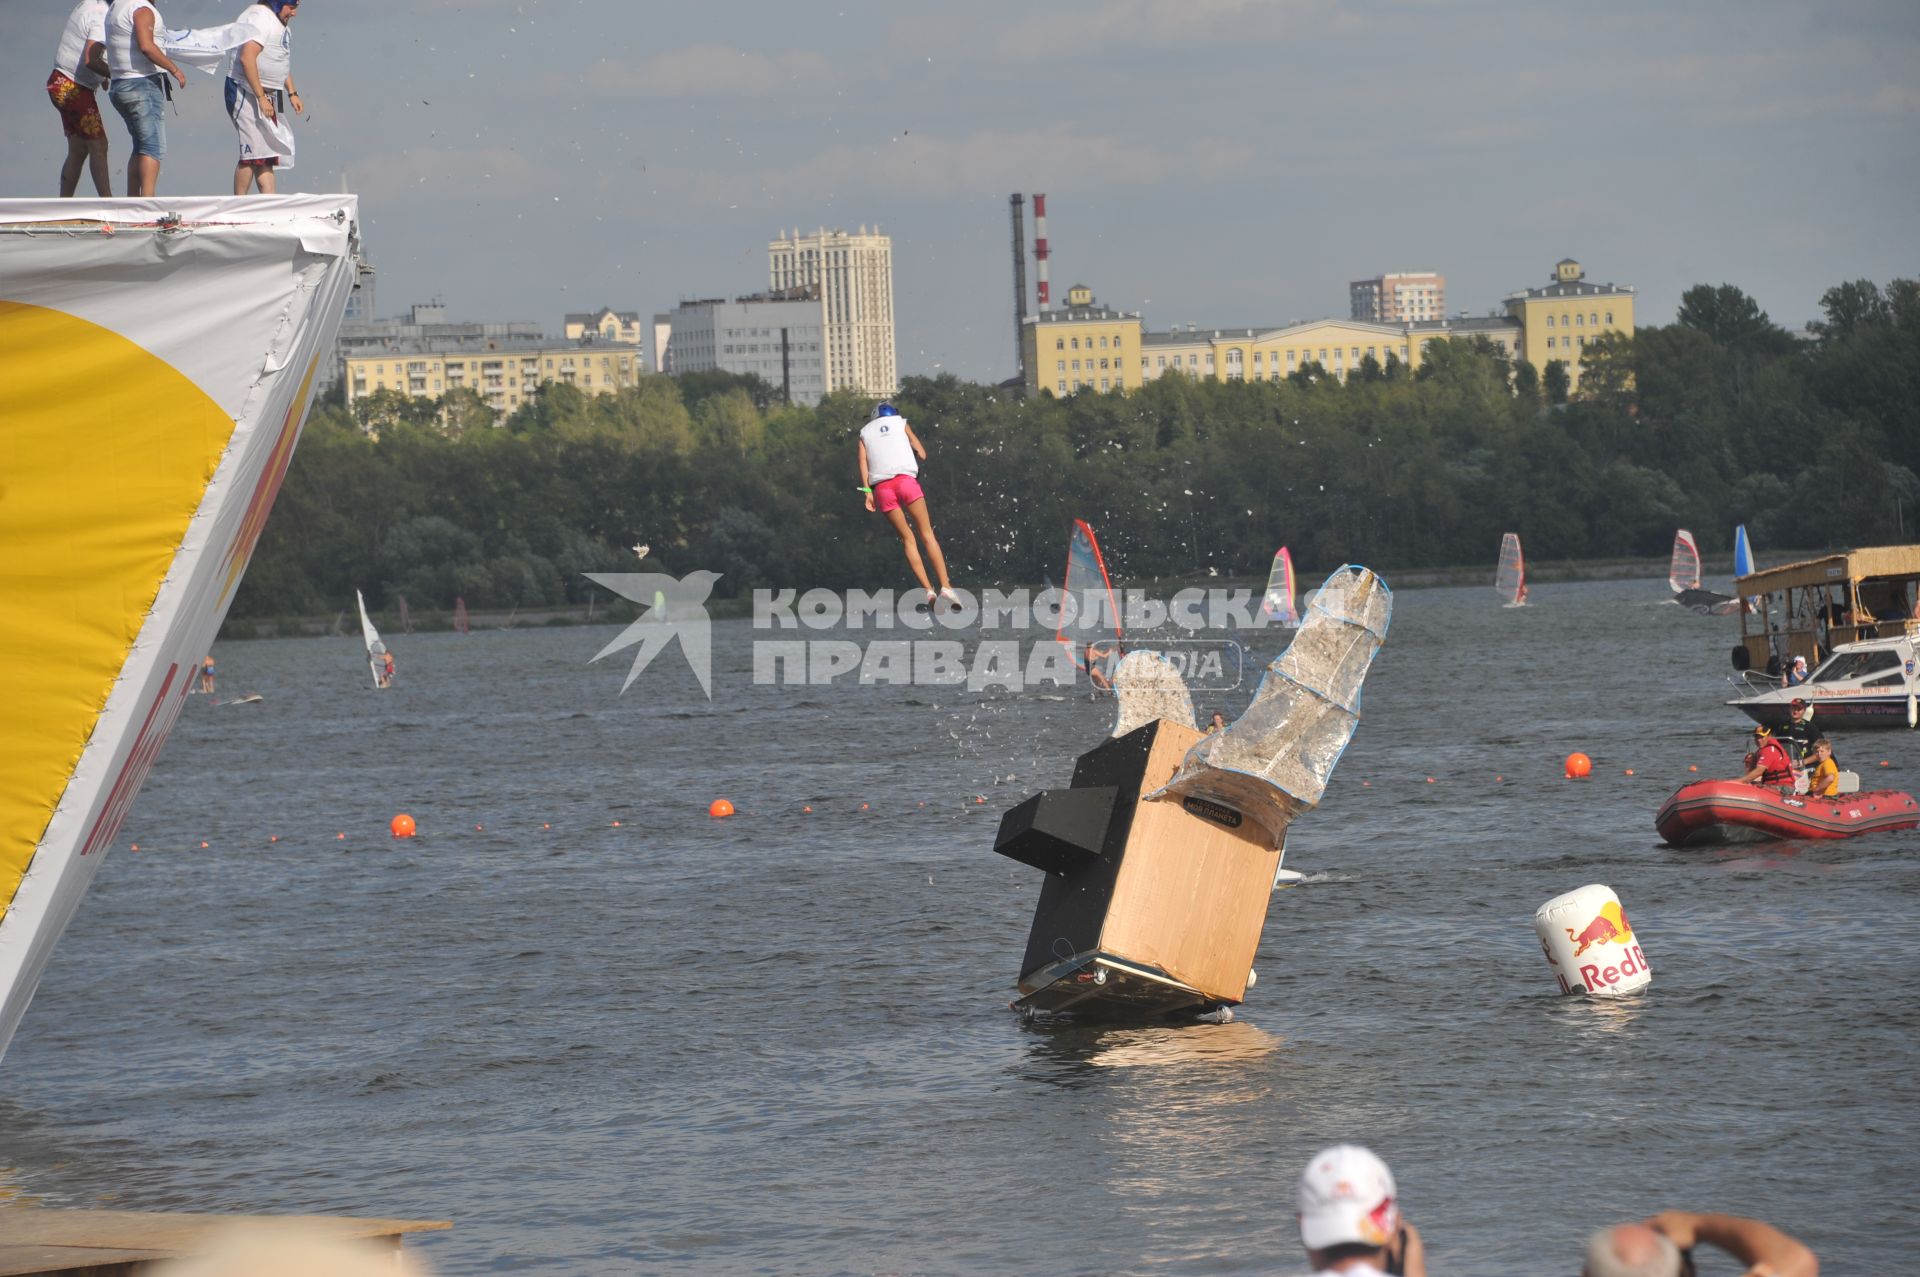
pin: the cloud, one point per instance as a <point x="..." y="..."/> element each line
<point x="709" y="70"/>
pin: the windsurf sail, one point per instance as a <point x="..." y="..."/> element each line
<point x="1089" y="613"/>
<point x="1278" y="606"/>
<point x="157" y="360"/>
<point x="1511" y="583"/>
<point x="1683" y="570"/>
<point x="1742" y="553"/>
<point x="371" y="637"/>
<point x="460" y="625"/>
<point x="406" y="617"/>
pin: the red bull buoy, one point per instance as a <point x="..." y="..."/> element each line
<point x="1578" y="765"/>
<point x="402" y="826"/>
<point x="1590" y="944"/>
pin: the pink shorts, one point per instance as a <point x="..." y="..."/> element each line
<point x="901" y="490"/>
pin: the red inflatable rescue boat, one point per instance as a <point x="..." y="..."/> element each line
<point x="1735" y="811"/>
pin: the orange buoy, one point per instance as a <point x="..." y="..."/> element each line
<point x="547" y="825"/>
<point x="978" y="799"/>
<point x="808" y="811"/>
<point x="1885" y="763"/>
<point x="1692" y="767"/>
<point x="1430" y="780"/>
<point x="616" y="824"/>
<point x="339" y="837"/>
<point x="402" y="826"/>
<point x="1498" y="779"/>
<point x="719" y="808"/>
<point x="134" y="847"/>
<point x="1578" y="765"/>
<point x="274" y="838"/>
<point x="479" y="828"/>
<point x="864" y="806"/>
<point x="1629" y="771"/>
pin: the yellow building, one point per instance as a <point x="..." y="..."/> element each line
<point x="504" y="372"/>
<point x="1086" y="346"/>
<point x="621" y="326"/>
<point x="1561" y="318"/>
<point x="1081" y="346"/>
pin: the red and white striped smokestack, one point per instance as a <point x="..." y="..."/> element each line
<point x="1040" y="247"/>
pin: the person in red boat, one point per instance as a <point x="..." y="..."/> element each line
<point x="1771" y="764"/>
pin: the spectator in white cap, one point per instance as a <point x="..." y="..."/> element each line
<point x="1662" y="1246"/>
<point x="1350" y="1220"/>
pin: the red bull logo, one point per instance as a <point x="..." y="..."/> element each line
<point x="1610" y="927"/>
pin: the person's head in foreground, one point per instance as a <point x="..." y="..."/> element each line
<point x="1631" y="1250"/>
<point x="1347" y="1210"/>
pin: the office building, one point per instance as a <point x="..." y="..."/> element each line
<point x="1396" y="299"/>
<point x="779" y="337"/>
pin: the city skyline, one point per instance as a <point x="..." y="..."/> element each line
<point x="1217" y="162"/>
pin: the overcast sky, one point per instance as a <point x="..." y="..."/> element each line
<point x="1221" y="162"/>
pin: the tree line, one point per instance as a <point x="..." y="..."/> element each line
<point x="1718" y="418"/>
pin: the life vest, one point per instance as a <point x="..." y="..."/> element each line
<point x="1778" y="767"/>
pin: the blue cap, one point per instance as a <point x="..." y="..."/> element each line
<point x="885" y="410"/>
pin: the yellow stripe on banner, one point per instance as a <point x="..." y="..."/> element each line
<point x="105" y="455"/>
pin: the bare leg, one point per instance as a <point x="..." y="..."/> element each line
<point x="143" y="176"/>
<point x="924" y="522"/>
<point x="898" y="518"/>
<point x="71" y="166"/>
<point x="97" y="163"/>
<point x="242" y="179"/>
<point x="266" y="179"/>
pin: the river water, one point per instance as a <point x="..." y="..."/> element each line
<point x="779" y="1043"/>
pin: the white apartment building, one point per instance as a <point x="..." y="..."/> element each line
<point x="854" y="271"/>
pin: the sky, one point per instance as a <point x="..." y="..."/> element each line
<point x="1224" y="163"/>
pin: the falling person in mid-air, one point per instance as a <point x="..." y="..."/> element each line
<point x="890" y="457"/>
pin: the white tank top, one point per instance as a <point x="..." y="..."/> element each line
<point x="124" y="58"/>
<point x="888" y="452"/>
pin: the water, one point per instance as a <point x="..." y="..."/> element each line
<point x="779" y="1043"/>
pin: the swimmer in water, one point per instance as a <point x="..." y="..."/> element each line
<point x="890" y="457"/>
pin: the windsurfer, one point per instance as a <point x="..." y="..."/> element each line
<point x="206" y="677"/>
<point x="890" y="457"/>
<point x="1101" y="656"/>
<point x="386" y="669"/>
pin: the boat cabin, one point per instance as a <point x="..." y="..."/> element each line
<point x="1809" y="608"/>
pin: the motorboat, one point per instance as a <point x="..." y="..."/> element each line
<point x="1716" y="811"/>
<point x="1865" y="684"/>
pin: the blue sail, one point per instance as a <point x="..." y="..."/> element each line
<point x="1742" y="553"/>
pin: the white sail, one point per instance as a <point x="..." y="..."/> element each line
<point x="371" y="637"/>
<point x="157" y="359"/>
<point x="1511" y="581"/>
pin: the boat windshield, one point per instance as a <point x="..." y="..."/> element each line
<point x="1845" y="666"/>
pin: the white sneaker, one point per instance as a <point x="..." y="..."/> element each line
<point x="951" y="599"/>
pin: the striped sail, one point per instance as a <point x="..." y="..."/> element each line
<point x="1090" y="614"/>
<point x="1683" y="570"/>
<point x="1278" y="606"/>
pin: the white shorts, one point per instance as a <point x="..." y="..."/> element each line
<point x="260" y="138"/>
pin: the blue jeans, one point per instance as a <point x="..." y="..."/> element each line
<point x="142" y="103"/>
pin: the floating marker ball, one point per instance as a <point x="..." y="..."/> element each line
<point x="1590" y="944"/>
<point x="719" y="808"/>
<point x="401" y="825"/>
<point x="1578" y="765"/>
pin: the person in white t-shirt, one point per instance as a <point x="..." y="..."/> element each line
<point x="1349" y="1220"/>
<point x="260" y="91"/>
<point x="80" y="67"/>
<point x="890" y="457"/>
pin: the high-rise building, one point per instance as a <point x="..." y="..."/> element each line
<point x="854" y="271"/>
<point x="1398" y="299"/>
<point x="778" y="337"/>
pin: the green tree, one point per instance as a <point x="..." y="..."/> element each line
<point x="1557" y="381"/>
